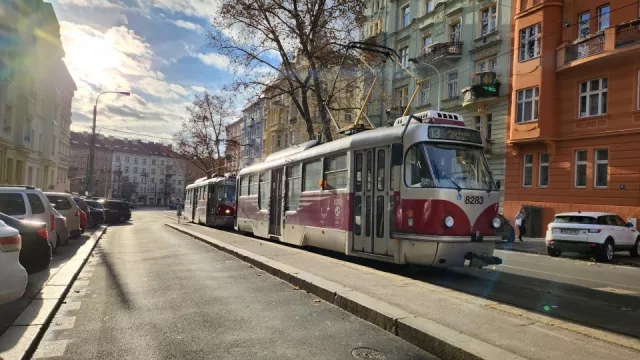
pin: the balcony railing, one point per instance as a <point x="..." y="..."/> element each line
<point x="586" y="47"/>
<point x="484" y="87"/>
<point x="439" y="51"/>
<point x="628" y="34"/>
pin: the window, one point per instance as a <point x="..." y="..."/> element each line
<point x="118" y="158"/>
<point x="593" y="97"/>
<point x="135" y="160"/>
<point x="286" y="140"/>
<point x="603" y="17"/>
<point x="428" y="6"/>
<point x="253" y="184"/>
<point x="161" y="181"/>
<point x="488" y="18"/>
<point x="144" y="161"/>
<point x="601" y="167"/>
<point x="8" y="118"/>
<point x="487" y="65"/>
<point x="293" y="187"/>
<point x="380" y="171"/>
<point x="126" y="169"/>
<point x="406" y="16"/>
<point x="404" y="56"/>
<point x="335" y="172"/>
<point x="312" y="174"/>
<point x="489" y="127"/>
<point x="153" y="170"/>
<point x="279" y="140"/>
<point x="527" y="109"/>
<point x="543" y="170"/>
<point x="126" y="159"/>
<point x="454" y="32"/>
<point x="161" y="162"/>
<point x="528" y="170"/>
<point x="179" y="182"/>
<point x="416" y="169"/>
<point x="426" y="42"/>
<point x="424" y="92"/>
<point x="477" y="123"/>
<point x="581" y="169"/>
<point x="530" y="42"/>
<point x="37" y="206"/>
<point x="12" y="204"/>
<point x="348" y="118"/>
<point x="264" y="191"/>
<point x="452" y="85"/>
<point x="244" y="186"/>
<point x="153" y="161"/>
<point x="583" y="24"/>
<point x="135" y="170"/>
<point x="402" y="95"/>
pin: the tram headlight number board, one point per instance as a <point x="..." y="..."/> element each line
<point x="454" y="134"/>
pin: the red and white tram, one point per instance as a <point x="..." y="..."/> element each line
<point x="211" y="201"/>
<point x="418" y="193"/>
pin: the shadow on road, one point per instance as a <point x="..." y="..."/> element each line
<point x="113" y="277"/>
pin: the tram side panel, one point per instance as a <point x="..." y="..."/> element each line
<point x="248" y="214"/>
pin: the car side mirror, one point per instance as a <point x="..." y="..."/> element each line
<point x="498" y="184"/>
<point x="396" y="154"/>
<point x="630" y="225"/>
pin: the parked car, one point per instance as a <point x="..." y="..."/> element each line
<point x="98" y="212"/>
<point x="35" y="254"/>
<point x="64" y="204"/>
<point x="29" y="203"/>
<point x="62" y="231"/>
<point x="119" y="211"/>
<point x="592" y="232"/>
<point x="90" y="214"/>
<point x="83" y="221"/>
<point x="13" y="281"/>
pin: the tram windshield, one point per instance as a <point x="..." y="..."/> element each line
<point x="227" y="193"/>
<point x="444" y="165"/>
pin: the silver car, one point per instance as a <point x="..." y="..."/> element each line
<point x="62" y="231"/>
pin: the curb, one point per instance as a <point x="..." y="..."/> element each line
<point x="616" y="261"/>
<point x="437" y="339"/>
<point x="29" y="339"/>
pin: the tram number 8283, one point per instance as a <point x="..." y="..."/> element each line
<point x="473" y="200"/>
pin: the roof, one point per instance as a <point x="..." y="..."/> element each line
<point x="129" y="146"/>
<point x="586" y="213"/>
<point x="205" y="181"/>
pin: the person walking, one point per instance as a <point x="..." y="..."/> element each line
<point x="179" y="206"/>
<point x="521" y="219"/>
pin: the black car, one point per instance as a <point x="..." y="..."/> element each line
<point x="95" y="215"/>
<point x="119" y="211"/>
<point x="98" y="212"/>
<point x="35" y="254"/>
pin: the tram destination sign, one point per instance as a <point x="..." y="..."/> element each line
<point x="454" y="134"/>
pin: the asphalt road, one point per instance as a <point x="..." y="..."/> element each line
<point x="598" y="295"/>
<point x="149" y="292"/>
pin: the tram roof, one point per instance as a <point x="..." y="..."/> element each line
<point x="204" y="181"/>
<point x="363" y="140"/>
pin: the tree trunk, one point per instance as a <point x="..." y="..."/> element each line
<point x="306" y="115"/>
<point x="322" y="111"/>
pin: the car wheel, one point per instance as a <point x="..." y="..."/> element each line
<point x="553" y="252"/>
<point x="605" y="253"/>
<point x="635" y="250"/>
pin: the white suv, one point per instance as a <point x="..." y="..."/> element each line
<point x="592" y="232"/>
<point x="29" y="203"/>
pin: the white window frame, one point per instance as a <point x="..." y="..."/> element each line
<point x="584" y="24"/>
<point x="604" y="19"/>
<point x="451" y="33"/>
<point x="542" y="164"/>
<point x="524" y="170"/>
<point x="535" y="100"/>
<point x="597" y="163"/>
<point x="406" y="16"/>
<point x="452" y="85"/>
<point x="404" y="56"/>
<point x="425" y="44"/>
<point x="489" y="64"/>
<point x="425" y="92"/>
<point x="603" y="88"/>
<point x="527" y="40"/>
<point x="402" y="94"/>
<point x="492" y="14"/>
<point x="428" y="6"/>
<point x="575" y="168"/>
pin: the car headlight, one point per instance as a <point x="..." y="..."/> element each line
<point x="448" y="221"/>
<point x="496" y="223"/>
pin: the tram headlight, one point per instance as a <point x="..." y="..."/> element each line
<point x="448" y="221"/>
<point x="227" y="211"/>
<point x="496" y="223"/>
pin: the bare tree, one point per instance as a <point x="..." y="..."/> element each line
<point x="285" y="46"/>
<point x="202" y="137"/>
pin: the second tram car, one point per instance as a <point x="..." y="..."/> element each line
<point x="419" y="192"/>
<point x="211" y="201"/>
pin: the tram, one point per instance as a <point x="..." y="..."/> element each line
<point x="419" y="192"/>
<point x="211" y="201"/>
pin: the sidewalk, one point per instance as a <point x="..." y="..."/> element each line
<point x="447" y="323"/>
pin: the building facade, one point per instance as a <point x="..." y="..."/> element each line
<point x="252" y="128"/>
<point x="36" y="91"/>
<point x="574" y="132"/>
<point x="455" y="51"/>
<point x="79" y="162"/>
<point x="233" y="146"/>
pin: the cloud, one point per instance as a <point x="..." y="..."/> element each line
<point x="199" y="89"/>
<point x="188" y="25"/>
<point x="93" y="3"/>
<point x="215" y="60"/>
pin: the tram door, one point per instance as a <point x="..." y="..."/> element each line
<point x="275" y="204"/>
<point x="194" y="203"/>
<point x="371" y="200"/>
<point x="211" y="206"/>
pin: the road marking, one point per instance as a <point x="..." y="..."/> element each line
<point x="617" y="291"/>
<point x="50" y="348"/>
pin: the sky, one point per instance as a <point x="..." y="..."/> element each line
<point x="156" y="49"/>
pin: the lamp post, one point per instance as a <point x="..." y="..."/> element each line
<point x="93" y="139"/>
<point x="414" y="61"/>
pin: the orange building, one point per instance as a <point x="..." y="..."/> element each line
<point x="573" y="138"/>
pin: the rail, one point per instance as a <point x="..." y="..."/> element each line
<point x="628" y="34"/>
<point x="439" y="50"/>
<point x="586" y="47"/>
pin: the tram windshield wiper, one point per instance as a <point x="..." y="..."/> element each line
<point x="444" y="175"/>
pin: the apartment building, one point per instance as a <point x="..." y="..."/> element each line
<point x="574" y="133"/>
<point x="233" y="147"/>
<point x="36" y="91"/>
<point x="78" y="163"/>
<point x="458" y="54"/>
<point x="252" y="127"/>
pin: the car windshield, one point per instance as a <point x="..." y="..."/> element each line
<point x="447" y="166"/>
<point x="94" y="204"/>
<point x="572" y="219"/>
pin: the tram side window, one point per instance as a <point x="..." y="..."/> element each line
<point x="264" y="191"/>
<point x="244" y="186"/>
<point x="312" y="175"/>
<point x="293" y="187"/>
<point x="416" y="169"/>
<point x="335" y="172"/>
<point x="253" y="184"/>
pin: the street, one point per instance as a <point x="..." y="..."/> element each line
<point x="150" y="292"/>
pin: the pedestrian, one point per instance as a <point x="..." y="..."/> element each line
<point x="179" y="206"/>
<point x="521" y="222"/>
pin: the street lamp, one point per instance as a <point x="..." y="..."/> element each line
<point x="93" y="139"/>
<point x="414" y="61"/>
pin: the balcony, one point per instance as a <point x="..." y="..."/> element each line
<point x="485" y="88"/>
<point x="586" y="47"/>
<point x="628" y="34"/>
<point x="438" y="52"/>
